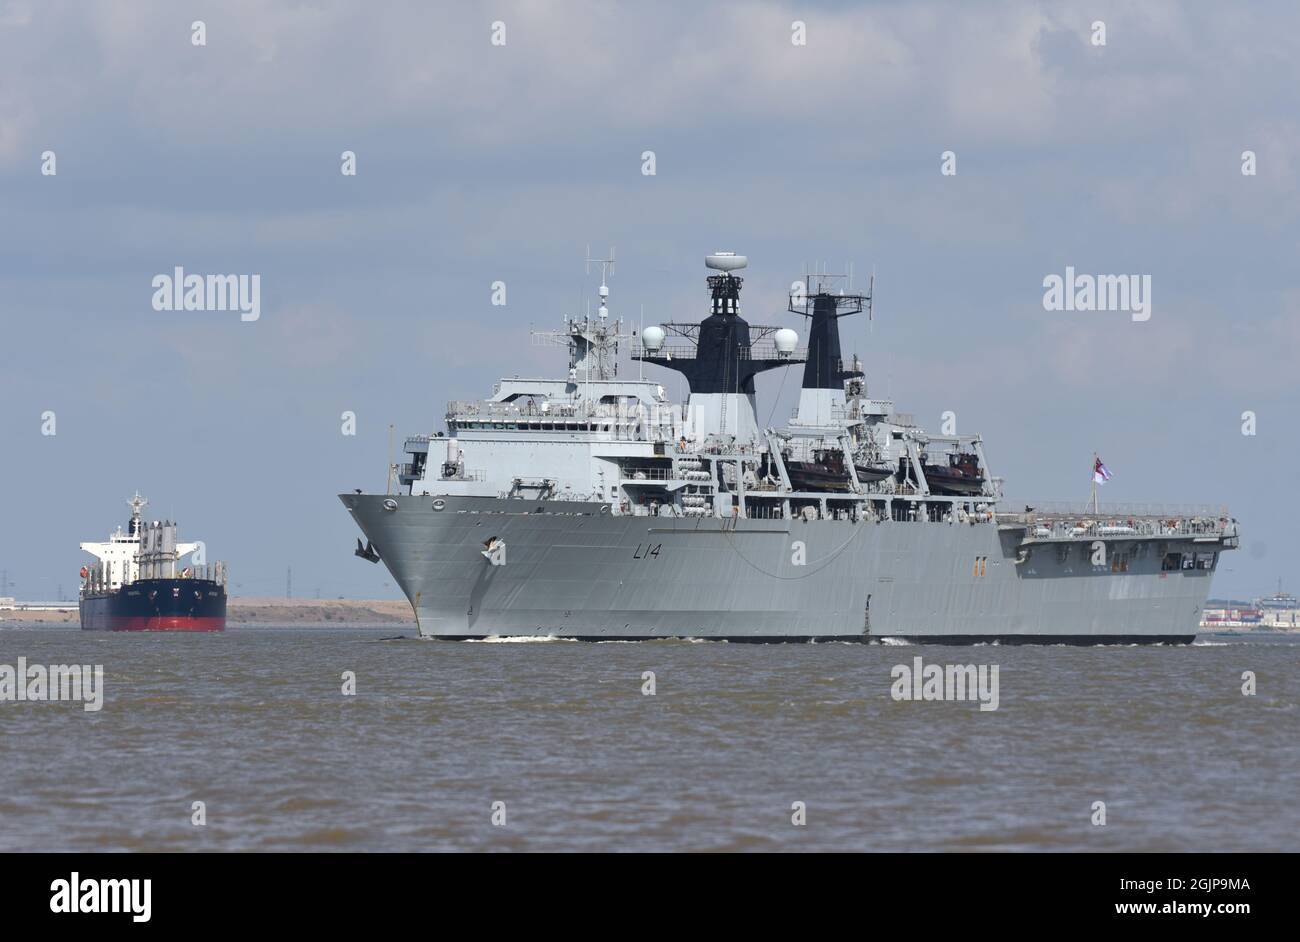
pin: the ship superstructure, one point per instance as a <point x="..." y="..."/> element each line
<point x="591" y="506"/>
<point x="138" y="584"/>
<point x="1280" y="611"/>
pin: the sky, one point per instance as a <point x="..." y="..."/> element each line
<point x="479" y="162"/>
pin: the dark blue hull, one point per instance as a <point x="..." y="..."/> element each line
<point x="157" y="605"/>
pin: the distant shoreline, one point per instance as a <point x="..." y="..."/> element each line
<point x="272" y="611"/>
<point x="252" y="610"/>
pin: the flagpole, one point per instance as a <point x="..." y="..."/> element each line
<point x="1094" y="485"/>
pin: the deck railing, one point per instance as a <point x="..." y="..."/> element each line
<point x="1052" y="520"/>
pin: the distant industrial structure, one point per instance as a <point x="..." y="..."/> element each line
<point x="1278" y="612"/>
<point x="10" y="604"/>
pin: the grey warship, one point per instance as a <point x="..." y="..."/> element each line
<point x="590" y="506"/>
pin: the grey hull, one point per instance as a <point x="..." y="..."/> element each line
<point x="572" y="570"/>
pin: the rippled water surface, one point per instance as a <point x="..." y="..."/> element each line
<point x="254" y="724"/>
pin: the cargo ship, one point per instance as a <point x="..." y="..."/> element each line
<point x="136" y="585"/>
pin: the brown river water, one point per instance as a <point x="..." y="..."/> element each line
<point x="254" y="724"/>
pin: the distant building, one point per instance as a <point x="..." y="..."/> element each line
<point x="1278" y="612"/>
<point x="6" y="603"/>
<point x="1222" y="615"/>
<point x="1281" y="610"/>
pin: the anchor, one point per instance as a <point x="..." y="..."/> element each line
<point x="494" y="551"/>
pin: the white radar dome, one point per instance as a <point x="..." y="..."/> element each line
<point x="653" y="337"/>
<point x="726" y="261"/>
<point x="786" y="340"/>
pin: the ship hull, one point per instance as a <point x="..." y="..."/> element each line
<point x="572" y="570"/>
<point x="157" y="605"/>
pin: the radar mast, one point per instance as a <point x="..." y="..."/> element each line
<point x="592" y="342"/>
<point x="137" y="504"/>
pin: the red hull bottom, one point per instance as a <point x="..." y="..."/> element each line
<point x="157" y="623"/>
